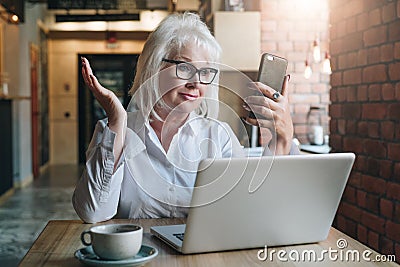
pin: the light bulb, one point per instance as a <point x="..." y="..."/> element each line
<point x="14" y="18"/>
<point x="307" y="71"/>
<point x="316" y="52"/>
<point x="326" y="65"/>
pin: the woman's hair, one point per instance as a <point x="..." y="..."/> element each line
<point x="172" y="35"/>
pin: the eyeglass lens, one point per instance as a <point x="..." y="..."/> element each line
<point x="186" y="71"/>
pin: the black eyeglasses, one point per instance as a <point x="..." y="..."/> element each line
<point x="186" y="71"/>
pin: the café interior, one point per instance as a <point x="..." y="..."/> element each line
<point x="344" y="62"/>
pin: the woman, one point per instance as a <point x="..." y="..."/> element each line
<point x="142" y="163"/>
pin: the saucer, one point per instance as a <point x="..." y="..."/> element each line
<point x="86" y="255"/>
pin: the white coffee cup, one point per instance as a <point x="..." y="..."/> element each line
<point x="114" y="241"/>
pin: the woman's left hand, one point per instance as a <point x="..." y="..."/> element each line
<point x="273" y="112"/>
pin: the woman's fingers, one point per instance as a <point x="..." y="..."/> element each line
<point x="285" y="85"/>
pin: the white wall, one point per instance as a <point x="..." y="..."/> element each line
<point x="17" y="40"/>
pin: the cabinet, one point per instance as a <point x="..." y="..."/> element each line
<point x="6" y="173"/>
<point x="238" y="33"/>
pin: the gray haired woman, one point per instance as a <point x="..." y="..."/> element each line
<point x="142" y="162"/>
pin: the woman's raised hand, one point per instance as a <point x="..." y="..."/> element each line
<point x="116" y="113"/>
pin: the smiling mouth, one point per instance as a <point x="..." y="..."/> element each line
<point x="189" y="96"/>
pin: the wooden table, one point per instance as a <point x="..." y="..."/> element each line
<point x="60" y="239"/>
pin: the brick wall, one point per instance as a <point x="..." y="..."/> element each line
<point x="365" y="117"/>
<point x="288" y="29"/>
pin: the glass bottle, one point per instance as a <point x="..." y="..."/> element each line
<point x="315" y="130"/>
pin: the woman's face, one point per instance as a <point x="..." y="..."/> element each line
<point x="181" y="95"/>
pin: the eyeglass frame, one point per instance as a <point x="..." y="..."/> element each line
<point x="177" y="62"/>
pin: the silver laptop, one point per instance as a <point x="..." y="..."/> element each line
<point x="242" y="203"/>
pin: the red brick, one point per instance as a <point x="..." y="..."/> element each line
<point x="353" y="144"/>
<point x="373" y="184"/>
<point x="349" y="195"/>
<point x="375" y="148"/>
<point x="386" y="53"/>
<point x="387" y="130"/>
<point x="387" y="246"/>
<point x="352" y="42"/>
<point x="397" y="91"/>
<point x="373" y="222"/>
<point x="373" y="130"/>
<point x="397" y="50"/>
<point x="394" y="111"/>
<point x="351" y="228"/>
<point x="393" y="230"/>
<point x="333" y="126"/>
<point x="351" y="94"/>
<point x="355" y="179"/>
<point x="375" y="73"/>
<point x="362" y="128"/>
<point x="393" y="190"/>
<point x="398" y="9"/>
<point x="373" y="203"/>
<point x="352" y="76"/>
<point x="359" y="165"/>
<point x="335" y="111"/>
<point x="353" y="8"/>
<point x="375" y="36"/>
<point x="362" y="22"/>
<point x="352" y="110"/>
<point x="350" y="211"/>
<point x="374" y="17"/>
<point x="397" y="131"/>
<point x="374" y="111"/>
<point x="394" y="152"/>
<point x="397" y="213"/>
<point x="341" y="94"/>
<point x="389" y="12"/>
<point x="373" y="240"/>
<point x="336" y="46"/>
<point x="341" y="126"/>
<point x="362" y="198"/>
<point x="374" y="92"/>
<point x="386" y="208"/>
<point x="340" y="222"/>
<point x="351" y="127"/>
<point x="362" y="57"/>
<point x="374" y="55"/>
<point x="336" y="142"/>
<point x="396" y="174"/>
<point x="388" y="92"/>
<point x="394" y="71"/>
<point x="351" y="25"/>
<point x="362" y="234"/>
<point x="372" y="4"/>
<point x="394" y="31"/>
<point x="333" y="95"/>
<point x="385" y="170"/>
<point x="372" y="167"/>
<point x="362" y="93"/>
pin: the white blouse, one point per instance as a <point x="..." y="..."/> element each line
<point x="148" y="182"/>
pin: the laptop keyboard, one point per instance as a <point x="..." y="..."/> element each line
<point x="179" y="236"/>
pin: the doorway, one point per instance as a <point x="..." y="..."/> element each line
<point x="115" y="72"/>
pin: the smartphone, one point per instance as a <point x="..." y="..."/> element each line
<point x="271" y="72"/>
